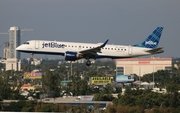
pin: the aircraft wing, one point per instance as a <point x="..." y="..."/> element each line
<point x="93" y="51"/>
<point x="156" y="50"/>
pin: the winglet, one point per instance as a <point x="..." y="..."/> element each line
<point x="104" y="43"/>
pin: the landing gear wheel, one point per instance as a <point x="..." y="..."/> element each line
<point x="88" y="63"/>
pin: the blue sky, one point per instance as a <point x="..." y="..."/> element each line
<point x="125" y="22"/>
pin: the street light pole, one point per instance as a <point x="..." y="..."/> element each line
<point x="153" y="72"/>
<point x="139" y="75"/>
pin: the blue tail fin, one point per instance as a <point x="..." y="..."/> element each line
<point x="153" y="40"/>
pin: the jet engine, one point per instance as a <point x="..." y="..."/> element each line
<point x="72" y="56"/>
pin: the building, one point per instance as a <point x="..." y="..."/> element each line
<point x="14" y="41"/>
<point x="35" y="61"/>
<point x="13" y="58"/>
<point x="13" y="64"/>
<point x="142" y="66"/>
<point x="6" y="50"/>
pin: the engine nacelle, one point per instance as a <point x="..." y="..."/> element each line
<point x="72" y="56"/>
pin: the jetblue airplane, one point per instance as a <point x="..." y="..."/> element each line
<point x="74" y="51"/>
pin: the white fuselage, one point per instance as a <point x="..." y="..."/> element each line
<point x="59" y="48"/>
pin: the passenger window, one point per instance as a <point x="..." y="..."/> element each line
<point x="26" y="43"/>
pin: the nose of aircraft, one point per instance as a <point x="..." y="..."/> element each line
<point x="18" y="48"/>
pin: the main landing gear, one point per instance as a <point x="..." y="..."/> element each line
<point x="88" y="62"/>
<point x="32" y="58"/>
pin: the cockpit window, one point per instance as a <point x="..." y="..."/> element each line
<point x="26" y="43"/>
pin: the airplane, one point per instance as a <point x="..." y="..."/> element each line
<point x="73" y="51"/>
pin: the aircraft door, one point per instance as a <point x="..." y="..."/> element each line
<point x="36" y="44"/>
<point x="130" y="50"/>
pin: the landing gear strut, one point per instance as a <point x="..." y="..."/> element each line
<point x="32" y="58"/>
<point x="88" y="63"/>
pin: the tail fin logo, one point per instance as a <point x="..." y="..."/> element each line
<point x="152" y="40"/>
<point x="150" y="43"/>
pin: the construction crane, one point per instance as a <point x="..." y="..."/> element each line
<point x="26" y="29"/>
<point x="6" y="33"/>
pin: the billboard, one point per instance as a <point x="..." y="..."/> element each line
<point x="100" y="80"/>
<point x="32" y="75"/>
<point x="124" y="78"/>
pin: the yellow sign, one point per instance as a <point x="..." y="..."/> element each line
<point x="100" y="80"/>
<point x="32" y="75"/>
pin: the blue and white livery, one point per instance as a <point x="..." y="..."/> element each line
<point x="74" y="51"/>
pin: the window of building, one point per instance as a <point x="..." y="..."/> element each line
<point x="168" y="68"/>
<point x="120" y="71"/>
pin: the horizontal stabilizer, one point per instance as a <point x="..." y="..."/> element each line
<point x="156" y="50"/>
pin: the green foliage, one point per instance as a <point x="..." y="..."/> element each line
<point x="7" y="93"/>
<point x="118" y="90"/>
<point x="51" y="82"/>
<point x="156" y="111"/>
<point x="145" y="98"/>
<point x="15" y="106"/>
<point x="128" y="109"/>
<point x="29" y="106"/>
<point x="80" y="87"/>
<point x="103" y="97"/>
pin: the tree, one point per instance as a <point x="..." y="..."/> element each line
<point x="15" y="106"/>
<point x="51" y="83"/>
<point x="29" y="106"/>
<point x="79" y="87"/>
